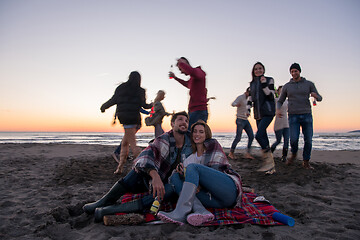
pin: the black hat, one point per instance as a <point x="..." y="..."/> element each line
<point x="296" y="66"/>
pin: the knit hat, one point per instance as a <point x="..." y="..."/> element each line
<point x="295" y="66"/>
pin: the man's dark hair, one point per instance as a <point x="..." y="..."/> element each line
<point x="184" y="58"/>
<point x="183" y="113"/>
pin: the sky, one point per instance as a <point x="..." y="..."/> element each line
<point x="61" y="59"/>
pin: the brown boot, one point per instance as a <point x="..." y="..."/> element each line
<point x="306" y="165"/>
<point x="268" y="163"/>
<point x="291" y="159"/>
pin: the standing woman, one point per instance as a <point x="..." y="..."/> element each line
<point x="129" y="98"/>
<point x="262" y="99"/>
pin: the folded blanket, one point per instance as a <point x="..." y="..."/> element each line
<point x="259" y="213"/>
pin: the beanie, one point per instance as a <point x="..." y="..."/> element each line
<point x="295" y="66"/>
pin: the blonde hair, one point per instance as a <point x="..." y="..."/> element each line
<point x="159" y="93"/>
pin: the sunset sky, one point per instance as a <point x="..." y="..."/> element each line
<point x="60" y="60"/>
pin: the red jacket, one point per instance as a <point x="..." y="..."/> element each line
<point x="197" y="86"/>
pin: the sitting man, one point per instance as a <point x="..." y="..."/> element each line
<point x="153" y="167"/>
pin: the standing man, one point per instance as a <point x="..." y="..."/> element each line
<point x="154" y="164"/>
<point x="197" y="85"/>
<point x="298" y="90"/>
<point x="242" y="123"/>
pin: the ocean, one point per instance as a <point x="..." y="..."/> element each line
<point x="321" y="141"/>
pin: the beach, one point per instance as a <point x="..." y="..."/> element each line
<point x="44" y="186"/>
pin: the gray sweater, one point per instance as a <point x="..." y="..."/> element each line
<point x="298" y="94"/>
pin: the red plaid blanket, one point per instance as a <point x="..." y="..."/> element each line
<point x="259" y="213"/>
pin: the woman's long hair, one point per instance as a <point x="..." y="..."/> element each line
<point x="208" y="133"/>
<point x="253" y="69"/>
<point x="134" y="81"/>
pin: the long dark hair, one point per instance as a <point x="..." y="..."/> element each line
<point x="208" y="133"/>
<point x="134" y="80"/>
<point x="253" y="69"/>
<point x="131" y="87"/>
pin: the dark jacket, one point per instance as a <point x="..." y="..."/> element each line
<point x="129" y="102"/>
<point x="264" y="105"/>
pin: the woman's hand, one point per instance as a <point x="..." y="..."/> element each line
<point x="263" y="79"/>
<point x="180" y="168"/>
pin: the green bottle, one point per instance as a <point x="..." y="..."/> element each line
<point x="276" y="94"/>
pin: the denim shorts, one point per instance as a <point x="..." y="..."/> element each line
<point x="131" y="126"/>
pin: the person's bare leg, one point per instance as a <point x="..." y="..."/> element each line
<point x="123" y="153"/>
<point x="132" y="141"/>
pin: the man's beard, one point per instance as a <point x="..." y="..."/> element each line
<point x="181" y="131"/>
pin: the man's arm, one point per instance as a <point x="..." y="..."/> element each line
<point x="158" y="188"/>
<point x="236" y="103"/>
<point x="182" y="82"/>
<point x="314" y="93"/>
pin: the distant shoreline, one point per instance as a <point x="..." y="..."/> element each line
<point x="355" y="131"/>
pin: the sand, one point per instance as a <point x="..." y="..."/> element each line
<point x="44" y="186"/>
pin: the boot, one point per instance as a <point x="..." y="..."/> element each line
<point x="128" y="207"/>
<point x="269" y="163"/>
<point x="117" y="190"/>
<point x="306" y="165"/>
<point x="291" y="159"/>
<point x="200" y="215"/>
<point x="184" y="205"/>
<point x="284" y="154"/>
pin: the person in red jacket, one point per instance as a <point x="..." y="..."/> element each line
<point x="198" y="92"/>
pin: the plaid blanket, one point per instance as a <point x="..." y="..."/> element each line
<point x="259" y="213"/>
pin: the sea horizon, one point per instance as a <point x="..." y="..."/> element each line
<point x="321" y="140"/>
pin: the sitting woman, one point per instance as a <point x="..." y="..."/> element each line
<point x="209" y="181"/>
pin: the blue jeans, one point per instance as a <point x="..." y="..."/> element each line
<point x="139" y="183"/>
<point x="306" y="123"/>
<point x="281" y="133"/>
<point x="241" y="125"/>
<point x="261" y="134"/>
<point x="220" y="195"/>
<point x="196" y="115"/>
